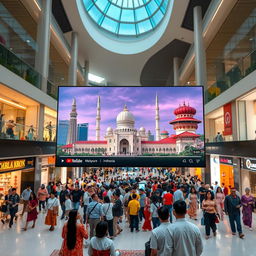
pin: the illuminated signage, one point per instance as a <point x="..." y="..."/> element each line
<point x="226" y="160"/>
<point x="17" y="164"/>
<point x="249" y="163"/>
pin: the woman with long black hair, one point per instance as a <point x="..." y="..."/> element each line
<point x="73" y="235"/>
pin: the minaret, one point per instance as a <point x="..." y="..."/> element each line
<point x="98" y="120"/>
<point x="157" y="120"/>
<point x="72" y="130"/>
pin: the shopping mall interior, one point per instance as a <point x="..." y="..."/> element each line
<point x="121" y="52"/>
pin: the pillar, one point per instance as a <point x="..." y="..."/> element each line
<point x="86" y="73"/>
<point x="38" y="168"/>
<point x="72" y="78"/>
<point x="40" y="123"/>
<point x="200" y="59"/>
<point x="176" y="63"/>
<point x="43" y="40"/>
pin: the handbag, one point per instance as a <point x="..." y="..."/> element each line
<point x="217" y="219"/>
<point x="147" y="248"/>
<point x="3" y="208"/>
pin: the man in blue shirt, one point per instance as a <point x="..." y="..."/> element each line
<point x="25" y="196"/>
<point x="94" y="214"/>
<point x="178" y="194"/>
<point x="13" y="202"/>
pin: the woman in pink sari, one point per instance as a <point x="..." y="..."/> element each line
<point x="193" y="204"/>
<point x="220" y="197"/>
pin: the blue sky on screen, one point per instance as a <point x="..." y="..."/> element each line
<point x="139" y="100"/>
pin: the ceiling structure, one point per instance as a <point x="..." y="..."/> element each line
<point x="147" y="66"/>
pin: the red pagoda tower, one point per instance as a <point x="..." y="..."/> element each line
<point x="185" y="126"/>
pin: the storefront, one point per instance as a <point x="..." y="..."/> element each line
<point x="17" y="115"/>
<point x="48" y="171"/>
<point x="16" y="173"/>
<point x="248" y="174"/>
<point x="222" y="170"/>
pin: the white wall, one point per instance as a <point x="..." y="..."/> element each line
<point x="250" y="120"/>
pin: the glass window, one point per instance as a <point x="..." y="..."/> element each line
<point x="134" y="16"/>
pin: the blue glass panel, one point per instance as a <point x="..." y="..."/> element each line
<point x="127" y="29"/>
<point x="158" y="17"/>
<point x="127" y="15"/>
<point x="141" y="13"/>
<point x="152" y="6"/>
<point x="102" y="4"/>
<point x="125" y="3"/>
<point x="119" y="2"/>
<point x="95" y="14"/>
<point x="109" y="25"/>
<point x="136" y="3"/>
<point x="144" y="26"/>
<point x="114" y="12"/>
<point x="88" y="4"/>
<point x="165" y="4"/>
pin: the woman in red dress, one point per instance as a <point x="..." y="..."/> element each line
<point x="32" y="211"/>
<point x="147" y="223"/>
<point x="73" y="235"/>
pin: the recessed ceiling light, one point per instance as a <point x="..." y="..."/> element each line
<point x="250" y="39"/>
<point x="96" y="79"/>
<point x="28" y="41"/>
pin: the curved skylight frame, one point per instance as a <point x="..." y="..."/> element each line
<point x="130" y="18"/>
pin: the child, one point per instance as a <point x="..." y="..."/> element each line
<point x="68" y="205"/>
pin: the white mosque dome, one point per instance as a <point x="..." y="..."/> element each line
<point x="125" y="119"/>
<point x="142" y="129"/>
<point x="109" y="129"/>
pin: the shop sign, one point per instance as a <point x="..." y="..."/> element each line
<point x="17" y="164"/>
<point x="226" y="160"/>
<point x="249" y="163"/>
<point x="227" y="119"/>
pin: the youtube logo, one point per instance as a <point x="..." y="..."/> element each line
<point x="69" y="160"/>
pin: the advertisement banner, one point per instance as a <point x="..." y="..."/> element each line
<point x="226" y="160"/>
<point x="215" y="169"/>
<point x="249" y="164"/>
<point x="16" y="164"/>
<point x="227" y="119"/>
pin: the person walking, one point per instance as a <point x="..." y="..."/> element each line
<point x="133" y="209"/>
<point x="86" y="201"/>
<point x="178" y="194"/>
<point x="25" y="198"/>
<point x="67" y="206"/>
<point x="209" y="207"/>
<point x="202" y="191"/>
<point x="100" y="245"/>
<point x="73" y="234"/>
<point x="107" y="209"/>
<point x="155" y="205"/>
<point x="94" y="214"/>
<point x="182" y="237"/>
<point x="220" y="197"/>
<point x="193" y="204"/>
<point x="13" y="202"/>
<point x="158" y="235"/>
<point x="232" y="205"/>
<point x="117" y="212"/>
<point x="247" y="202"/>
<point x="42" y="195"/>
<point x="52" y="211"/>
<point x="147" y="223"/>
<point x="62" y="197"/>
<point x="168" y="201"/>
<point x="142" y="204"/>
<point x="32" y="211"/>
<point x="76" y="197"/>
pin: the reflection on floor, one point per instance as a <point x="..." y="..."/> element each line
<point x="41" y="242"/>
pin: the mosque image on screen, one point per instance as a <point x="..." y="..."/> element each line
<point x="124" y="138"/>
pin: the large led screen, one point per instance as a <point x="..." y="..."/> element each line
<point x="130" y="126"/>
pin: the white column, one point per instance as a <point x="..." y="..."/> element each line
<point x="72" y="78"/>
<point x="200" y="60"/>
<point x="157" y="120"/>
<point x="98" y="120"/>
<point x="43" y="40"/>
<point x="176" y="63"/>
<point x="40" y="123"/>
<point x="86" y="73"/>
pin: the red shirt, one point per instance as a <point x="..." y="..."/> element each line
<point x="168" y="199"/>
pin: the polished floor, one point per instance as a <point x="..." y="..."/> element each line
<point x="41" y="242"/>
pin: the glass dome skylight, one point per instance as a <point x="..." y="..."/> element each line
<point x="127" y="17"/>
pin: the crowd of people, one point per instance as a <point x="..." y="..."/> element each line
<point x="94" y="209"/>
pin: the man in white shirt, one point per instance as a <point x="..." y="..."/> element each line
<point x="182" y="237"/>
<point x="157" y="239"/>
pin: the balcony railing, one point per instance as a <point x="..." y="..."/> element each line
<point x="11" y="61"/>
<point x="237" y="73"/>
<point x="15" y="131"/>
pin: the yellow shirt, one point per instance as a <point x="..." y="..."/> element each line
<point x="134" y="207"/>
<point x="137" y="195"/>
